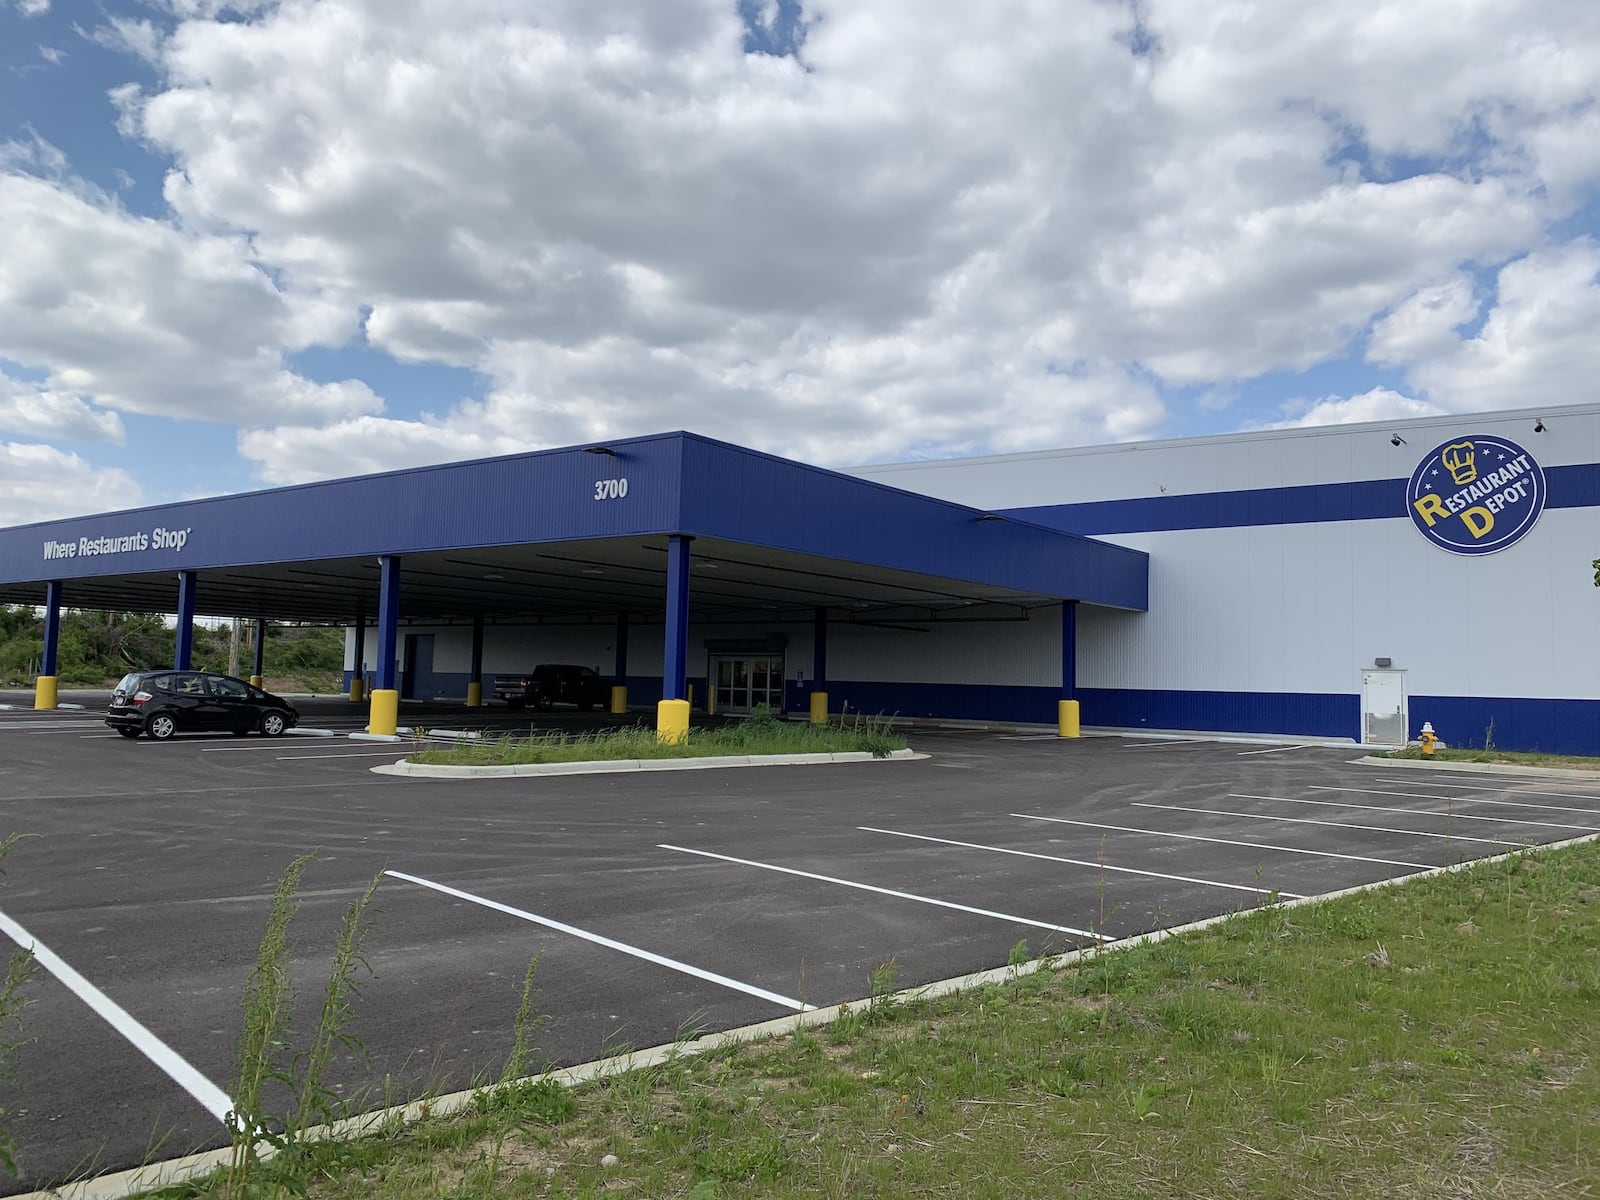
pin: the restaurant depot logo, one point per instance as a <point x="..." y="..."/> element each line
<point x="1476" y="495"/>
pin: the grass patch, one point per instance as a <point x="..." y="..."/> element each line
<point x="759" y="734"/>
<point x="1435" y="1040"/>
<point x="1491" y="755"/>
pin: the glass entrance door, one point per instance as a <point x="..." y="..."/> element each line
<point x="747" y="682"/>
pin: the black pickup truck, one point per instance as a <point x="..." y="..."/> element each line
<point x="550" y="684"/>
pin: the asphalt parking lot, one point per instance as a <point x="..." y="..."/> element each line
<point x="656" y="903"/>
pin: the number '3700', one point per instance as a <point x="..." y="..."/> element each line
<point x="610" y="489"/>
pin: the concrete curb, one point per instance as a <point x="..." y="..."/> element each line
<point x="613" y="766"/>
<point x="1416" y="764"/>
<point x="147" y="1178"/>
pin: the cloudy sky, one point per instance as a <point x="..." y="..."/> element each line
<point x="259" y="242"/>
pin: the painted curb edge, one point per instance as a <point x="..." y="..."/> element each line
<point x="705" y="763"/>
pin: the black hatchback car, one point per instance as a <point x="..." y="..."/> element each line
<point x="162" y="703"/>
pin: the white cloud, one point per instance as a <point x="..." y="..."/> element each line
<point x="1379" y="404"/>
<point x="139" y="37"/>
<point x="33" y="8"/>
<point x="146" y="318"/>
<point x="39" y="412"/>
<point x="294" y="454"/>
<point x="957" y="227"/>
<point x="1424" y="324"/>
<point x="1537" y="346"/>
<point x="38" y="483"/>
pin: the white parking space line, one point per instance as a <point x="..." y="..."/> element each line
<point x="1436" y="798"/>
<point x="1469" y="787"/>
<point x="1195" y="837"/>
<point x="1271" y="750"/>
<point x="1168" y="742"/>
<point x="1222" y="812"/>
<point x="868" y="887"/>
<point x="1417" y="812"/>
<point x="671" y="964"/>
<point x="210" y="1097"/>
<point x="1027" y="737"/>
<point x="1079" y="862"/>
<point x="50" y="726"/>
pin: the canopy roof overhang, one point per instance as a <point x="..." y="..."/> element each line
<point x="547" y="537"/>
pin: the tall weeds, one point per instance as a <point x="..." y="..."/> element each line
<point x="18" y="971"/>
<point x="268" y="1059"/>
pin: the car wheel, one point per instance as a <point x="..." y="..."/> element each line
<point x="544" y="703"/>
<point x="126" y="732"/>
<point x="161" y="727"/>
<point x="273" y="725"/>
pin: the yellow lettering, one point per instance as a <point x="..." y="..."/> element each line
<point x="1430" y="507"/>
<point x="1478" y="520"/>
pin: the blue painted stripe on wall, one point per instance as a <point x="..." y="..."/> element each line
<point x="1296" y="714"/>
<point x="1363" y="500"/>
<point x="1293" y="713"/>
<point x="1548" y="726"/>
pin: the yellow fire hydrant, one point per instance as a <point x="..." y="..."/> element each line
<point x="1428" y="738"/>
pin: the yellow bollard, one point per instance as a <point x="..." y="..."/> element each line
<point x="672" y="722"/>
<point x="819" y="708"/>
<point x="385" y="717"/>
<point x="358" y="689"/>
<point x="44" y="694"/>
<point x="619" y="698"/>
<point x="255" y="681"/>
<point x="1067" y="719"/>
<point x="475" y="694"/>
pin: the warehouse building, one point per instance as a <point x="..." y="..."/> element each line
<point x="1347" y="581"/>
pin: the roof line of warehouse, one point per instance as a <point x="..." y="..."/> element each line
<point x="1212" y="439"/>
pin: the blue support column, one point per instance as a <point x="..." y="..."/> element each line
<point x="44" y="692"/>
<point x="674" y="660"/>
<point x="475" y="682"/>
<point x="358" y="671"/>
<point x="183" y="656"/>
<point x="385" y="711"/>
<point x="819" y="666"/>
<point x="672" y="714"/>
<point x="259" y="659"/>
<point x="619" y="676"/>
<point x="52" y="627"/>
<point x="1068" y="716"/>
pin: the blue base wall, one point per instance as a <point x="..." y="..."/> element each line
<point x="1551" y="726"/>
<point x="1303" y="714"/>
<point x="1548" y="726"/>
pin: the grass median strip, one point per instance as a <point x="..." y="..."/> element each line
<point x="757" y="735"/>
<point x="1433" y="1039"/>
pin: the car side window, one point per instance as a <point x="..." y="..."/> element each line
<point x="234" y="689"/>
<point x="188" y="685"/>
<point x="159" y="683"/>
